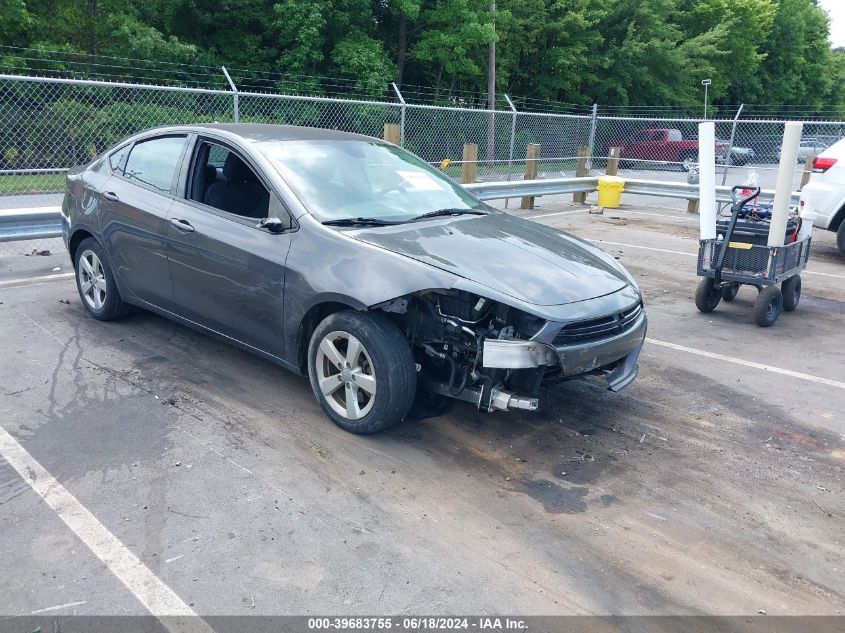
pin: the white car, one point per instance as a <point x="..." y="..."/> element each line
<point x="823" y="198"/>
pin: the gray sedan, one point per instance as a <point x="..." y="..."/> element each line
<point x="349" y="260"/>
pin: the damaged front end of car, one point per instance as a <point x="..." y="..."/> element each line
<point x="498" y="357"/>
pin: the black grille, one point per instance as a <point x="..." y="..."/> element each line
<point x="597" y="329"/>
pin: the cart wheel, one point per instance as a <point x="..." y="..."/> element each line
<point x="729" y="292"/>
<point x="707" y="296"/>
<point x="791" y="289"/>
<point x="768" y="306"/>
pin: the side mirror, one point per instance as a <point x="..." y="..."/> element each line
<point x="273" y="225"/>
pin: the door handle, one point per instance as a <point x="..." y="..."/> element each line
<point x="182" y="225"/>
<point x="111" y="196"/>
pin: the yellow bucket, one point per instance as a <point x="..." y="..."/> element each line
<point x="610" y="191"/>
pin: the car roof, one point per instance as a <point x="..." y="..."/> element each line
<point x="264" y="132"/>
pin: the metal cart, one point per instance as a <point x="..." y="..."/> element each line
<point x="773" y="270"/>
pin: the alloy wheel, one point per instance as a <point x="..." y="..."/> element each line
<point x="345" y="375"/>
<point x="92" y="280"/>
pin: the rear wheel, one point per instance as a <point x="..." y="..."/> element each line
<point x="688" y="161"/>
<point x="96" y="284"/>
<point x="707" y="296"/>
<point x="729" y="292"/>
<point x="840" y="238"/>
<point x="791" y="289"/>
<point x="768" y="306"/>
<point x="362" y="371"/>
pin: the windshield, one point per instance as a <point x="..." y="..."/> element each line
<point x="336" y="180"/>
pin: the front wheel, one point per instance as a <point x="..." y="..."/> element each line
<point x="362" y="371"/>
<point x="707" y="296"/>
<point x="768" y="306"/>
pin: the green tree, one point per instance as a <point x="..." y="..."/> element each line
<point x="745" y="26"/>
<point x="799" y="65"/>
<point x="17" y="22"/>
<point x="647" y="59"/>
<point x="547" y="48"/>
<point x="453" y="44"/>
<point x="641" y="52"/>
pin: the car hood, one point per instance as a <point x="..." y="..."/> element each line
<point x="530" y="262"/>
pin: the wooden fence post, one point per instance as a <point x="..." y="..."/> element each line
<point x="469" y="166"/>
<point x="613" y="161"/>
<point x="808" y="171"/>
<point x="531" y="154"/>
<point x="693" y="205"/>
<point x="581" y="171"/>
<point x="392" y="133"/>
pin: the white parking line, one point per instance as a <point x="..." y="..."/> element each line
<point x="156" y="596"/>
<point x="59" y="607"/>
<point x="663" y="250"/>
<point x="647" y="248"/>
<point x="549" y="215"/>
<point x="677" y="216"/>
<point x="748" y="363"/>
<point x="40" y="278"/>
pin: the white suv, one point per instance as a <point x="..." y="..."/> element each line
<point x="823" y="198"/>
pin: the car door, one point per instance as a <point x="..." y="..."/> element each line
<point x="659" y="146"/>
<point x="637" y="146"/>
<point x="135" y="202"/>
<point x="228" y="272"/>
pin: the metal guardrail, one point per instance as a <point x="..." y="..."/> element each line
<point x="45" y="223"/>
<point x="35" y="224"/>
<point x="519" y="188"/>
<point x="690" y="192"/>
<point x="558" y="186"/>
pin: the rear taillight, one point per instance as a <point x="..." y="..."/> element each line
<point x="821" y="165"/>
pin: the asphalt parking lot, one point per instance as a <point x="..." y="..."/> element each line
<point x="712" y="485"/>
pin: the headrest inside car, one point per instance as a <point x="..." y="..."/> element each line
<point x="235" y="169"/>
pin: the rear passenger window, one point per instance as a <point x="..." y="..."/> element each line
<point x="154" y="162"/>
<point x="118" y="159"/>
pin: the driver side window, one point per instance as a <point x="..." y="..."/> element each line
<point x="225" y="181"/>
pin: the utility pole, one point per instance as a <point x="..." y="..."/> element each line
<point x="491" y="90"/>
<point x="706" y="83"/>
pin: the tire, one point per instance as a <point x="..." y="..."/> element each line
<point x="707" y="296"/>
<point x="729" y="292"/>
<point x="384" y="358"/>
<point x="768" y="306"/>
<point x="95" y="282"/>
<point x="791" y="289"/>
<point x="840" y="238"/>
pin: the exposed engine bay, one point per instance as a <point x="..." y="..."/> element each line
<point x="474" y="349"/>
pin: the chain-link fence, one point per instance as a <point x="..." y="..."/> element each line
<point x="48" y="125"/>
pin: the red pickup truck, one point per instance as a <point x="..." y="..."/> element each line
<point x="662" y="145"/>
